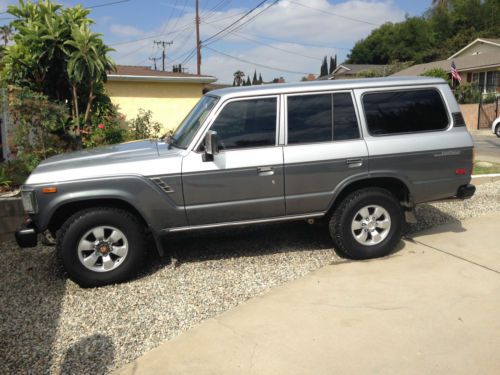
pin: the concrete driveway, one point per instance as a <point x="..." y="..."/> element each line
<point x="487" y="146"/>
<point x="432" y="307"/>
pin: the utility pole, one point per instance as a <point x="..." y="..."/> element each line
<point x="198" y="44"/>
<point x="154" y="59"/>
<point x="164" y="47"/>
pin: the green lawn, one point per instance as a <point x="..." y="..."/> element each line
<point x="494" y="168"/>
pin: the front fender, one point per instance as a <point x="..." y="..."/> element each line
<point x="158" y="208"/>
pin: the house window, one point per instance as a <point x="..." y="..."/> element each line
<point x="486" y="82"/>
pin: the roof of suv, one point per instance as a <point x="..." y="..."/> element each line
<point x="284" y="88"/>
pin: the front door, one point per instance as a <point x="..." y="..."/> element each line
<point x="245" y="179"/>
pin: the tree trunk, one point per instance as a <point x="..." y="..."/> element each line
<point x="76" y="118"/>
<point x="89" y="103"/>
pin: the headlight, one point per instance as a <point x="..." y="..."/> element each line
<point x="29" y="201"/>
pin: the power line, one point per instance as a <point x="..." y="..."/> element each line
<point x="272" y="46"/>
<point x="185" y="27"/>
<point x="169" y="17"/>
<point x="238" y="27"/>
<point x="233" y="23"/>
<point x="256" y="64"/>
<point x="333" y="14"/>
<point x="107" y="4"/>
<point x="181" y="12"/>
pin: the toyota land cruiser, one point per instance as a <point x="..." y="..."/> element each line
<point x="359" y="153"/>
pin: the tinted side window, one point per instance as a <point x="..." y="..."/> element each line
<point x="309" y="118"/>
<point x="321" y="118"/>
<point x="345" y="123"/>
<point x="246" y="123"/>
<point x="404" y="112"/>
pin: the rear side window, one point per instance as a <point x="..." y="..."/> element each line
<point x="396" y="112"/>
<point x="246" y="123"/>
<point x="321" y="118"/>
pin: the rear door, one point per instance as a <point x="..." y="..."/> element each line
<point x="245" y="180"/>
<point x="324" y="147"/>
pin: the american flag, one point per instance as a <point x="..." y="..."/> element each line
<point x="454" y="72"/>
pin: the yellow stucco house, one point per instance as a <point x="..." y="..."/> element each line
<point x="170" y="96"/>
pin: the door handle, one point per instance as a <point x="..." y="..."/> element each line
<point x="354" y="163"/>
<point x="265" y="171"/>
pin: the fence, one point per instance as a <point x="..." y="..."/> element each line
<point x="487" y="113"/>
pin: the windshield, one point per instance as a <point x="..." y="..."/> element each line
<point x="185" y="132"/>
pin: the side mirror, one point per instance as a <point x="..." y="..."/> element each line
<point x="211" y="148"/>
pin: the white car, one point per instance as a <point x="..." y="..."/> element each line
<point x="495" y="128"/>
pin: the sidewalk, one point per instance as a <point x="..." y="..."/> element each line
<point x="433" y="307"/>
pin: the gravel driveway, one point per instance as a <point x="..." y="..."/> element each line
<point x="50" y="325"/>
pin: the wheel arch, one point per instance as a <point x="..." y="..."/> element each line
<point x="66" y="209"/>
<point x="397" y="186"/>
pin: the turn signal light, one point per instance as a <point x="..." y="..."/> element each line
<point x="49" y="190"/>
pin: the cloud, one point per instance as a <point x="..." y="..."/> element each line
<point x="125" y="30"/>
<point x="306" y="34"/>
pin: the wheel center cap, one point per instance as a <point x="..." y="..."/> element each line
<point x="371" y="226"/>
<point x="103" y="248"/>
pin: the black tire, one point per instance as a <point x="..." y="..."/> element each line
<point x="497" y="130"/>
<point x="73" y="230"/>
<point x="342" y="218"/>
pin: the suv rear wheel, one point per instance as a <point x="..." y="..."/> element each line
<point x="497" y="130"/>
<point x="367" y="224"/>
<point x="100" y="246"/>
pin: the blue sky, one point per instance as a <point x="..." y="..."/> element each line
<point x="289" y="39"/>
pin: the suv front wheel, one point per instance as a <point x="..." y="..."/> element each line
<point x="367" y="224"/>
<point x="100" y="246"/>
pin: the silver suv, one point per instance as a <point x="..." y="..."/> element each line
<point x="359" y="153"/>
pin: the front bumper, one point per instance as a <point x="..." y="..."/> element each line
<point x="466" y="191"/>
<point x="27" y="236"/>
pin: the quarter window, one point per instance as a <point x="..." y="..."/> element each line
<point x="321" y="118"/>
<point x="246" y="123"/>
<point x="395" y="112"/>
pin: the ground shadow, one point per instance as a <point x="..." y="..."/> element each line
<point x="432" y="218"/>
<point x="235" y="242"/>
<point x="90" y="355"/>
<point x="31" y="294"/>
<point x="265" y="239"/>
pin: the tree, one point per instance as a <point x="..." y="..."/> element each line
<point x="87" y="66"/>
<point x="54" y="53"/>
<point x="248" y="83"/>
<point x="324" y="68"/>
<point x="445" y="28"/>
<point x="260" y="79"/>
<point x="254" y="80"/>
<point x="333" y="64"/>
<point x="5" y="34"/>
<point x="238" y="78"/>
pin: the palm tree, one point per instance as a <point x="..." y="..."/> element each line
<point x="5" y="33"/>
<point x="238" y="78"/>
<point x="440" y="3"/>
<point x="88" y="63"/>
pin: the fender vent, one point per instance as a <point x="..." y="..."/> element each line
<point x="162" y="184"/>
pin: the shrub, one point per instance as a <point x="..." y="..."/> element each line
<point x="107" y="127"/>
<point x="437" y="73"/>
<point x="465" y="93"/>
<point x="143" y="126"/>
<point x="5" y="182"/>
<point x="38" y="128"/>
